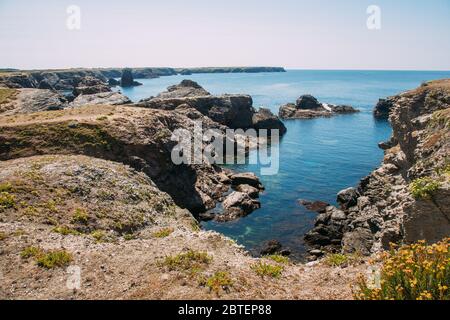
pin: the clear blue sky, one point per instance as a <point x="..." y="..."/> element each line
<point x="320" y="34"/>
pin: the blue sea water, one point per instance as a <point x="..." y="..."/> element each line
<point x="319" y="157"/>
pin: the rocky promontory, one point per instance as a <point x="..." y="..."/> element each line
<point x="232" y="110"/>
<point x="408" y="198"/>
<point x="308" y="107"/>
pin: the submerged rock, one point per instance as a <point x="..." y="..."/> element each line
<point x="316" y="206"/>
<point x="271" y="247"/>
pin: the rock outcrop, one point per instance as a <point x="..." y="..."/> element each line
<point x="127" y="79"/>
<point x="408" y="198"/>
<point x="308" y="107"/>
<point x="234" y="111"/>
<point x="265" y="119"/>
<point x="90" y="85"/>
<point x="17" y="80"/>
<point x="108" y="98"/>
<point x="383" y="108"/>
<point x="30" y="100"/>
<point x="186" y="88"/>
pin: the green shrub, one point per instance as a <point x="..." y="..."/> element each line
<point x="423" y="188"/>
<point x="163" y="233"/>
<point x="80" y="215"/>
<point x="220" y="280"/>
<point x="65" y="231"/>
<point x="7" y="201"/>
<point x="264" y="269"/>
<point x="52" y="259"/>
<point x="29" y="252"/>
<point x="5" y="187"/>
<point x="98" y="235"/>
<point x="413" y="272"/>
<point x="190" y="261"/>
<point x="278" y="258"/>
<point x="336" y="259"/>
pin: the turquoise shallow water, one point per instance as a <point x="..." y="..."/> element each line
<point x="319" y="157"/>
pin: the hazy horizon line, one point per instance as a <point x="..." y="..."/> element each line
<point x="237" y="66"/>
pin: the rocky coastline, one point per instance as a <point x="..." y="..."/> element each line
<point x="89" y="175"/>
<point x="407" y="198"/>
<point x="66" y="79"/>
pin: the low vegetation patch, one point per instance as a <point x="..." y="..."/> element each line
<point x="99" y="235"/>
<point x="278" y="258"/>
<point x="47" y="259"/>
<point x="264" y="269"/>
<point x="66" y="231"/>
<point x="3" y="236"/>
<point x="337" y="260"/>
<point x="221" y="280"/>
<point x="192" y="261"/>
<point x="30" y="252"/>
<point x="163" y="233"/>
<point x="80" y="215"/>
<point x="423" y="188"/>
<point x="5" y="187"/>
<point x="413" y="272"/>
<point x="7" y="94"/>
<point x="7" y="201"/>
<point x="52" y="259"/>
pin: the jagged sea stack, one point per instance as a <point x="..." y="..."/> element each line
<point x="127" y="79"/>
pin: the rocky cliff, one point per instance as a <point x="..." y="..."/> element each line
<point x="408" y="197"/>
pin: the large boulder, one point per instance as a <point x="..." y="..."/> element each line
<point x="265" y="119"/>
<point x="247" y="178"/>
<point x="236" y="205"/>
<point x="307" y="101"/>
<point x="348" y="198"/>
